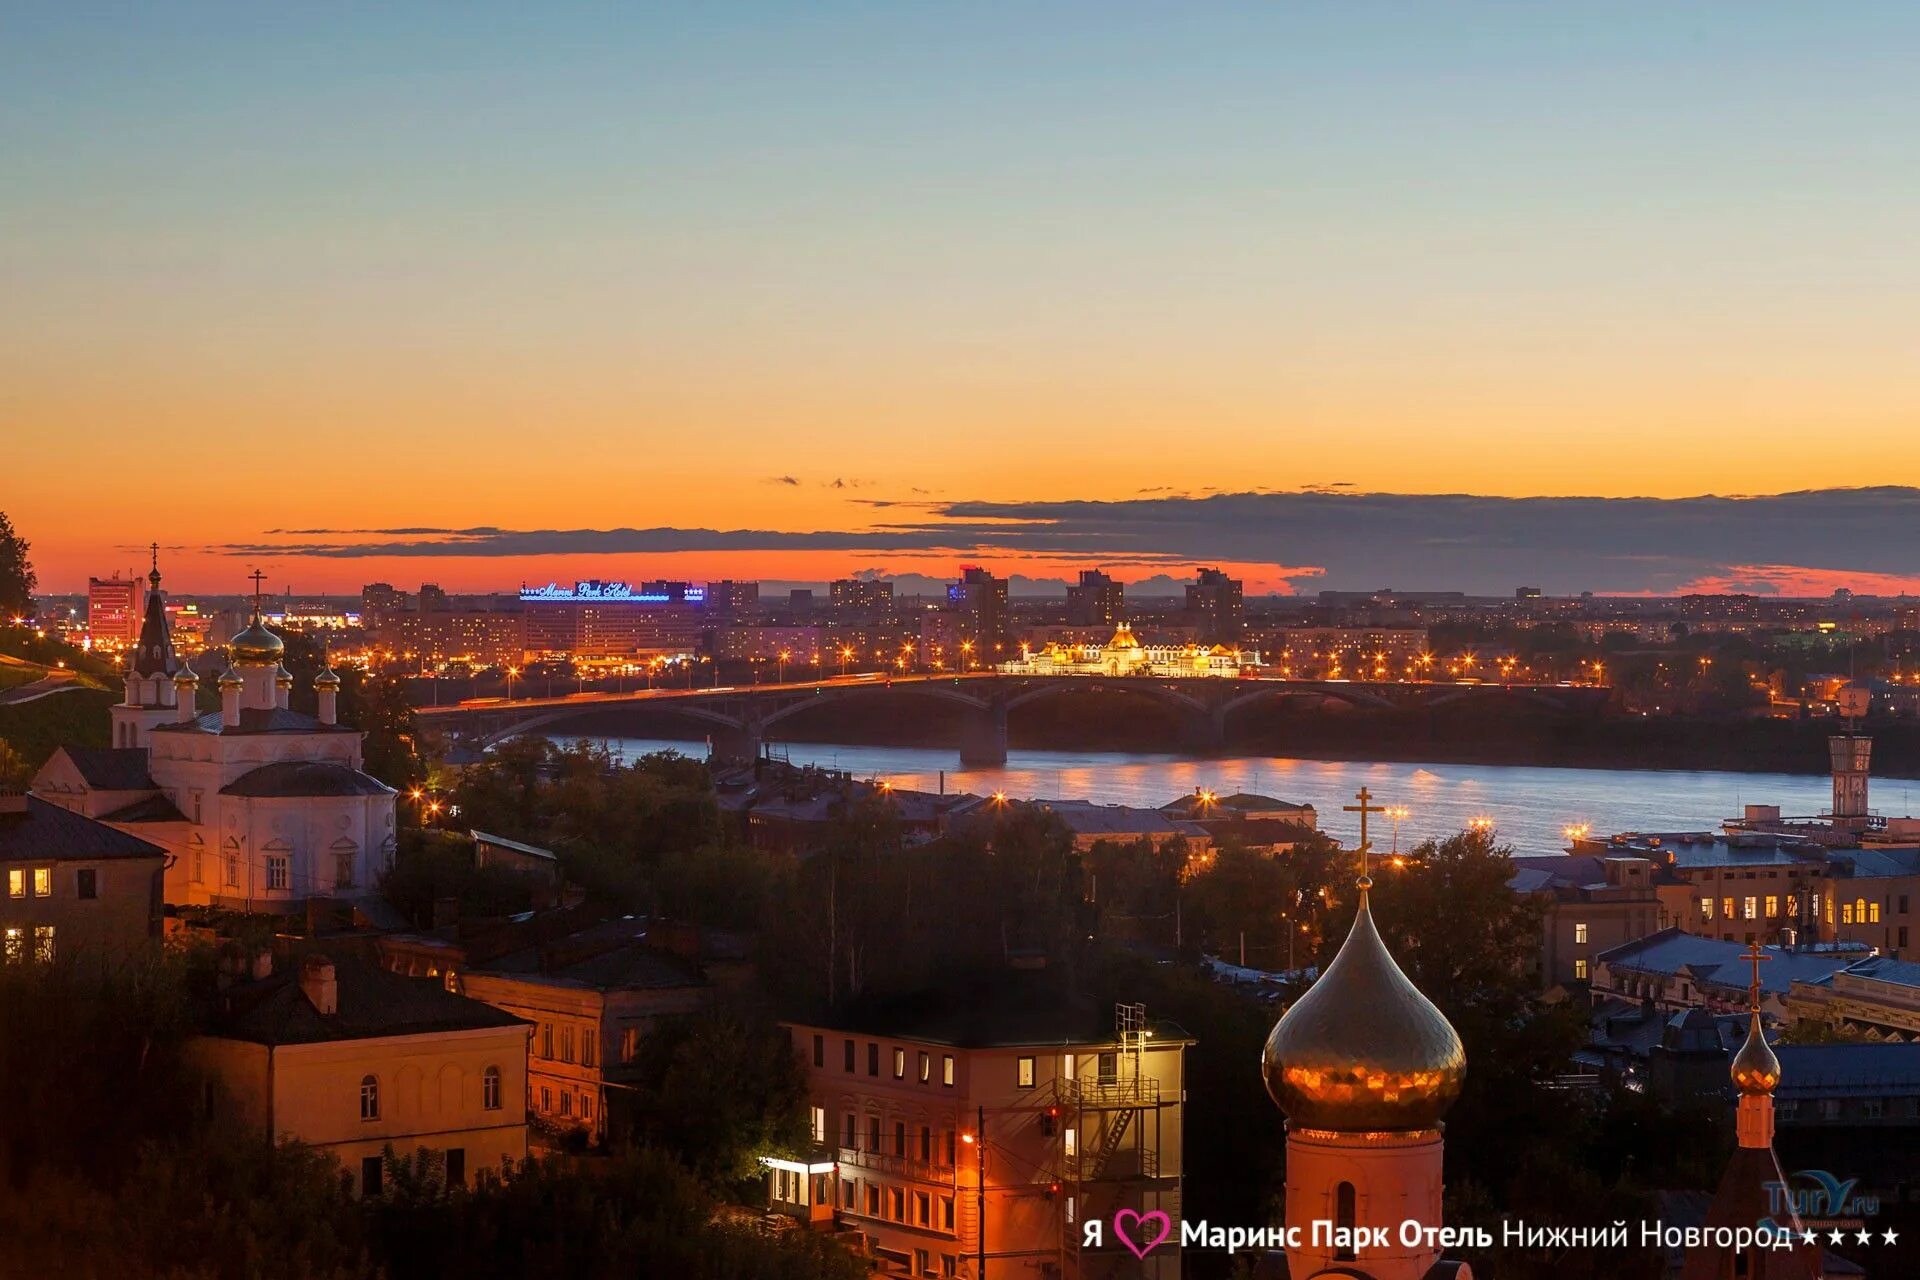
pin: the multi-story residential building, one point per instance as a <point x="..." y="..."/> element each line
<point x="1877" y="998"/>
<point x="731" y="599"/>
<point x="979" y="1140"/>
<point x="860" y="599"/>
<point x="1217" y="604"/>
<point x="1356" y="653"/>
<point x="591" y="997"/>
<point x="1737" y="886"/>
<point x="978" y="603"/>
<point x="1592" y="905"/>
<point x="75" y="889"/>
<point x="356" y="1061"/>
<point x="803" y="650"/>
<point x="1096" y="601"/>
<point x="482" y="637"/>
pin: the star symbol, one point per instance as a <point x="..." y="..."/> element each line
<point x="1836" y="1236"/>
<point x="1808" y="1237"/>
<point x="1864" y="1236"/>
<point x="1891" y="1235"/>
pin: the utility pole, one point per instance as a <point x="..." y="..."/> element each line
<point x="980" y="1202"/>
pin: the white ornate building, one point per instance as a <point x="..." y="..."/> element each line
<point x="257" y="805"/>
<point x="1124" y="655"/>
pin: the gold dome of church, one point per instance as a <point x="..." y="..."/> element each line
<point x="1755" y="1068"/>
<point x="1123" y="638"/>
<point x="1363" y="1050"/>
<point x="256" y="645"/>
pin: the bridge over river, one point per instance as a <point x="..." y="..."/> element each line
<point x="739" y="719"/>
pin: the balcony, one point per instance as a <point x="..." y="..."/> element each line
<point x="1139" y="1091"/>
<point x="898" y="1166"/>
<point x="1111" y="1166"/>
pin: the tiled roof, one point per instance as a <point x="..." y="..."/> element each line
<point x="112" y="768"/>
<point x="1854" y="1070"/>
<point x="46" y="831"/>
<point x="150" y="809"/>
<point x="371" y="1002"/>
<point x="305" y="778"/>
<point x="606" y="957"/>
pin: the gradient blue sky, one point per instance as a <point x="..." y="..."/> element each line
<point x="618" y="267"/>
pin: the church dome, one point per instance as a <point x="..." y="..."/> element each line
<point x="1123" y="638"/>
<point x="257" y="646"/>
<point x="1363" y="1050"/>
<point x="327" y="679"/>
<point x="1755" y="1068"/>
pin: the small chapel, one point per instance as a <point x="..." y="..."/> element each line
<point x="258" y="806"/>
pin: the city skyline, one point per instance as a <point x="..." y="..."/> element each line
<point x="797" y="270"/>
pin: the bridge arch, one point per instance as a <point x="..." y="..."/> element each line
<point x="849" y="693"/>
<point x="1353" y="697"/>
<point x="493" y="736"/>
<point x="1156" y="690"/>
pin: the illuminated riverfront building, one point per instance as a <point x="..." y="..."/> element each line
<point x="258" y="805"/>
<point x="1125" y="655"/>
<point x="1364" y="1066"/>
<point x="480" y="637"/>
<point x="596" y="619"/>
<point x="1355" y="653"/>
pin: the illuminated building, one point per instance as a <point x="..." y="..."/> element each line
<point x="1364" y="1066"/>
<point x="1124" y="655"/>
<point x="1591" y="904"/>
<point x="481" y="637"/>
<point x="75" y="889"/>
<point x="260" y="806"/>
<point x="859" y="599"/>
<point x="733" y="599"/>
<point x="113" y="610"/>
<point x="1355" y="653"/>
<point x="1216" y="604"/>
<point x="804" y="650"/>
<point x="1096" y="600"/>
<point x="978" y="602"/>
<point x="596" y="619"/>
<point x="354" y="1061"/>
<point x="992" y="1130"/>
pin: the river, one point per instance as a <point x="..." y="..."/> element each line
<point x="1532" y="806"/>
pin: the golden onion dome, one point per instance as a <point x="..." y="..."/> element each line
<point x="186" y="674"/>
<point x="1123" y="638"/>
<point x="257" y="646"/>
<point x="1363" y="1050"/>
<point x="282" y="676"/>
<point x="1755" y="1068"/>
<point x="326" y="679"/>
<point x="231" y="679"/>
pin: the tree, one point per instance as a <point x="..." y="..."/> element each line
<point x="17" y="579"/>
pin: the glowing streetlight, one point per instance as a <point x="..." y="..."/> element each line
<point x="1575" y="832"/>
<point x="1399" y="813"/>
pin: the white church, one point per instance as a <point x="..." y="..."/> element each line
<point x="258" y="806"/>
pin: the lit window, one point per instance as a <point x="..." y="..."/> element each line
<point x="946" y="1068"/>
<point x="926" y="1066"/>
<point x="1580" y="934"/>
<point x="819" y="1123"/>
<point x="1873" y="912"/>
<point x="1069" y="1143"/>
<point x="1025" y="1073"/>
<point x="1580" y="970"/>
<point x="369" y="1098"/>
<point x="17" y="882"/>
<point x="1726" y="907"/>
<point x="1706" y="908"/>
<point x="276" y="872"/>
<point x="43" y="882"/>
<point x="490" y="1089"/>
<point x="16" y="944"/>
<point x="899" y="1064"/>
<point x="1773" y="905"/>
<point x="1752" y="909"/>
<point x="1846" y="913"/>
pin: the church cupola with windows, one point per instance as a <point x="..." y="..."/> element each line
<point x="1364" y="1066"/>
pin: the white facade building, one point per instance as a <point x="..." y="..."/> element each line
<point x="1124" y="655"/>
<point x="258" y="806"/>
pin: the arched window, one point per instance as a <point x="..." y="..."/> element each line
<point x="1343" y="1221"/>
<point x="490" y="1089"/>
<point x="369" y="1098"/>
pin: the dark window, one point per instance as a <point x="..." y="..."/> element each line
<point x="86" y="883"/>
<point x="371" y="1170"/>
<point x="853" y="1131"/>
<point x="873" y="1058"/>
<point x="899" y="1138"/>
<point x="873" y="1133"/>
<point x="926" y="1145"/>
<point x="819" y="1051"/>
<point x="456" y="1166"/>
<point x="849" y="1048"/>
<point x="1343" y="1218"/>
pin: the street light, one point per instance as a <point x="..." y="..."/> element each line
<point x="1575" y="832"/>
<point x="1399" y="813"/>
<point x="511" y="673"/>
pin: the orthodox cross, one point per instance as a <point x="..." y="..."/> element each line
<point x="1364" y="808"/>
<point x="1754" y="956"/>
<point x="258" y="577"/>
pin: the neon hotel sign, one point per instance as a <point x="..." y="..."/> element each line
<point x="621" y="592"/>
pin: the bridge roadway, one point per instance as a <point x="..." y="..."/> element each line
<point x="738" y="718"/>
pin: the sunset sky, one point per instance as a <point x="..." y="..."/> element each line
<point x="901" y="278"/>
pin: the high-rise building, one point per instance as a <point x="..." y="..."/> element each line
<point x="978" y="602"/>
<point x="1095" y="601"/>
<point x="860" y="599"/>
<point x="733" y="599"/>
<point x="113" y="610"/>
<point x="1216" y="605"/>
<point x="432" y="598"/>
<point x="379" y="599"/>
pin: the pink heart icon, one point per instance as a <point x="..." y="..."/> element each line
<point x="1142" y="1247"/>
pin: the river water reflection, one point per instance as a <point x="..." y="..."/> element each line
<point x="1531" y="805"/>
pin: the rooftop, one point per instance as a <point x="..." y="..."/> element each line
<point x="1015" y="1010"/>
<point x="613" y="956"/>
<point x="372" y="1003"/>
<point x="291" y="778"/>
<point x="36" y="831"/>
<point x="112" y="768"/>
<point x="1832" y="1070"/>
<point x="1714" y="962"/>
<point x="256" y="720"/>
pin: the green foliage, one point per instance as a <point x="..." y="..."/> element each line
<point x="17" y="579"/>
<point x="376" y="703"/>
<point x="719" y="1089"/>
<point x="76" y="718"/>
<point x="1266" y="897"/>
<point x="440" y="864"/>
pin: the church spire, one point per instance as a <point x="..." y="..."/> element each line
<point x="1755" y="1069"/>
<point x="154" y="655"/>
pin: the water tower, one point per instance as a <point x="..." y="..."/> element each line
<point x="1851" y="753"/>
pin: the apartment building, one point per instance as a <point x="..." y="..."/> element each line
<point x="988" y="1135"/>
